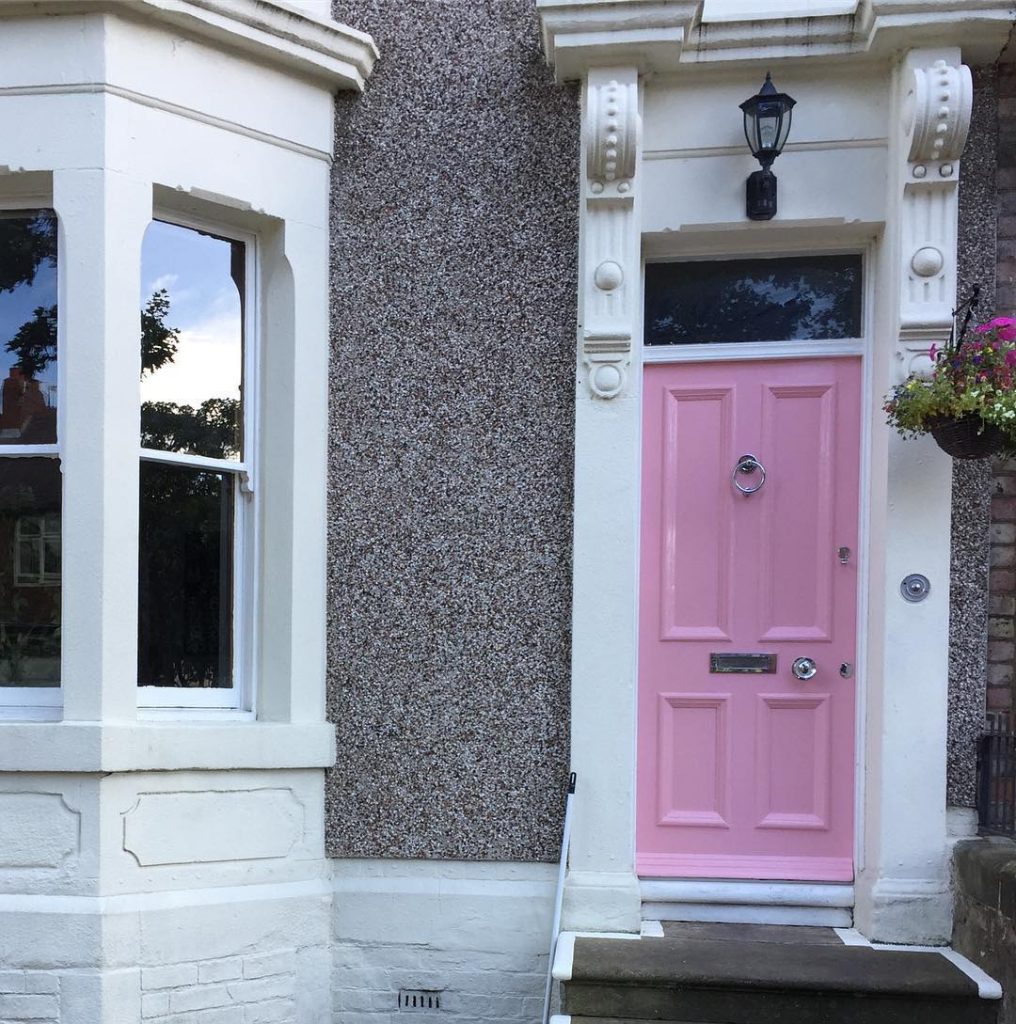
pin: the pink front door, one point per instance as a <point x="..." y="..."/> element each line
<point x="748" y="774"/>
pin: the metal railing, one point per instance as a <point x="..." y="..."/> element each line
<point x="996" y="777"/>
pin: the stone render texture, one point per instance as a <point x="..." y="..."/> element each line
<point x="968" y="614"/>
<point x="453" y="293"/>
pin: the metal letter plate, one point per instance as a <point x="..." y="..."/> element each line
<point x="752" y="664"/>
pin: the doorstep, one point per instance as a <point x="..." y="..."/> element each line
<point x="697" y="973"/>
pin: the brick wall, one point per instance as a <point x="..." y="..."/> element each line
<point x="1002" y="590"/>
<point x="1002" y="587"/>
<point x="256" y="989"/>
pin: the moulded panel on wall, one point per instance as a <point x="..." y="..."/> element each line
<point x="835" y="186"/>
<point x="211" y="826"/>
<point x="38" y="830"/>
<point x="702" y="112"/>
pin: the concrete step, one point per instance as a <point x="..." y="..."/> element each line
<point x="735" y="974"/>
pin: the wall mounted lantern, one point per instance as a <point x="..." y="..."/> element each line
<point x="767" y="119"/>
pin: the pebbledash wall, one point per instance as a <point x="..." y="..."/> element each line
<point x="453" y="262"/>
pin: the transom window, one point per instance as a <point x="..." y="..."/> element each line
<point x="196" y="459"/>
<point x="796" y="298"/>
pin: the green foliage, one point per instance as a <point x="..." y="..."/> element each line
<point x="974" y="377"/>
<point x="158" y="340"/>
<point x="27" y="242"/>
<point x="210" y="429"/>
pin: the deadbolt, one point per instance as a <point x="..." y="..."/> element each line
<point x="804" y="668"/>
<point x="846" y="669"/>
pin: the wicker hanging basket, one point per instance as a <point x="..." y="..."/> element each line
<point x="969" y="437"/>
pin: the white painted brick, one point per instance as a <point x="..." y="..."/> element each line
<point x="29" y="1007"/>
<point x="200" y="998"/>
<point x="279" y="987"/>
<point x="220" y="1015"/>
<point x="154" y="1004"/>
<point x="173" y="976"/>
<point x="283" y="962"/>
<point x="220" y="970"/>
<point x="41" y="982"/>
<point x="273" y="1011"/>
<point x="12" y="981"/>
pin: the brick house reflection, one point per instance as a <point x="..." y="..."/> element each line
<point x="30" y="533"/>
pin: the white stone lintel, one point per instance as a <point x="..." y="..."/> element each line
<point x="164" y="746"/>
<point x="276" y="32"/>
<point x="657" y="36"/>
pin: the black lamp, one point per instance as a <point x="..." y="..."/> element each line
<point x="767" y="119"/>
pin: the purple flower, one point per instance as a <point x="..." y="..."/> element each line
<point x="1004" y="325"/>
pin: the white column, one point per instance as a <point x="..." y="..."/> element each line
<point x="602" y="889"/>
<point x="903" y="889"/>
<point x="103" y="216"/>
<point x="294" y="473"/>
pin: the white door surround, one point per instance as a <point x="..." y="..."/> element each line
<point x="872" y="162"/>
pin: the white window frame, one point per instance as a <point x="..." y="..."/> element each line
<point x="40" y="702"/>
<point x="40" y="578"/>
<point x="238" y="699"/>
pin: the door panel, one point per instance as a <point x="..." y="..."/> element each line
<point x="748" y="775"/>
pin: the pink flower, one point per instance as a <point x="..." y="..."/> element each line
<point x="1010" y="357"/>
<point x="933" y="351"/>
<point x="1004" y="325"/>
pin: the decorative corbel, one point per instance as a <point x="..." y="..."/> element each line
<point x="937" y="98"/>
<point x="610" y="230"/>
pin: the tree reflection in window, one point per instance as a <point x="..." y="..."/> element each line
<point x="788" y="299"/>
<point x="191" y="412"/>
<point x="30" y="488"/>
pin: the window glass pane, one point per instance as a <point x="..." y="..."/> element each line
<point x="191" y="342"/>
<point x="29" y="597"/>
<point x="28" y="355"/>
<point x="792" y="299"/>
<point x="185" y="586"/>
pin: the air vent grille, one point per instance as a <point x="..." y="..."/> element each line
<point x="419" y="999"/>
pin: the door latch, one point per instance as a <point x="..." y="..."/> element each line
<point x="804" y="668"/>
<point x="843" y="554"/>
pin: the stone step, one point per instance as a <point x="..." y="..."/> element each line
<point x="734" y="974"/>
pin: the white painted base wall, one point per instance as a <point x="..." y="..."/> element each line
<point x="165" y="898"/>
<point x="479" y="933"/>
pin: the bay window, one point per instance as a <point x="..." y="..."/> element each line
<point x="30" y="479"/>
<point x="195" y="579"/>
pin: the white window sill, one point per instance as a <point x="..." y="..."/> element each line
<point x="163" y="746"/>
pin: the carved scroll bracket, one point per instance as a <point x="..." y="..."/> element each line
<point x="610" y="228"/>
<point x="933" y="120"/>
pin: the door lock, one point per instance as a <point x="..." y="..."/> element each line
<point x="804" y="668"/>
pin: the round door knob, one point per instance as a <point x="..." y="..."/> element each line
<point x="804" y="668"/>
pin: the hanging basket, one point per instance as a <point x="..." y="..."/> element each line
<point x="968" y="437"/>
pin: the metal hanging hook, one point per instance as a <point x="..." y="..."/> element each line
<point x="746" y="465"/>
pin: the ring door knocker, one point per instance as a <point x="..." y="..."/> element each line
<point x="746" y="466"/>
